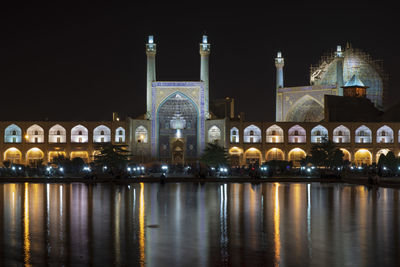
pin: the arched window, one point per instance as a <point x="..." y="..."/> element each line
<point x="13" y="134"/>
<point x="101" y="134"/>
<point x="384" y="135"/>
<point x="234" y="135"/>
<point x="120" y="135"/>
<point x="79" y="134"/>
<point x="35" y="134"/>
<point x="318" y="133"/>
<point x="341" y="134"/>
<point x="274" y="134"/>
<point x="57" y="134"/>
<point x="141" y="134"/>
<point x="214" y="134"/>
<point x="252" y="134"/>
<point x="363" y="134"/>
<point x="297" y="134"/>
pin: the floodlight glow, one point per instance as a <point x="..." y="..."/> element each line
<point x="151" y="39"/>
<point x="19" y="168"/>
<point x="129" y="169"/>
<point x="309" y="169"/>
<point x="13" y="168"/>
<point x="142" y="168"/>
<point x="204" y="39"/>
<point x="61" y="169"/>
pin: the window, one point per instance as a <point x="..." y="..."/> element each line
<point x="273" y="132"/>
<point x="251" y="133"/>
<point x="340" y="140"/>
<point x="14" y="139"/>
<point x="234" y="132"/>
<point x="58" y="139"/>
<point x="340" y="133"/>
<point x="362" y="133"/>
<point x="36" y="133"/>
<point x="102" y="140"/>
<point x="361" y="140"/>
<point x="121" y="132"/>
<point x="251" y="140"/>
<point x="120" y="140"/>
<point x="14" y="132"/>
<point x="102" y="133"/>
<point x="58" y="132"/>
<point x="296" y="139"/>
<point x="383" y="133"/>
<point x="80" y="133"/>
<point x="318" y="133"/>
<point x="296" y="133"/>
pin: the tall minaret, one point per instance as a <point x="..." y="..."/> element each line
<point x="279" y="63"/>
<point x="204" y="58"/>
<point x="151" y="50"/>
<point x="339" y="69"/>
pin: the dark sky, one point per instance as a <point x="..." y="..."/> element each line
<point x="83" y="61"/>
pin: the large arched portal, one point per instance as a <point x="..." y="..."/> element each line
<point x="306" y="108"/>
<point x="177" y="121"/>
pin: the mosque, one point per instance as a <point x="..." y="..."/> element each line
<point x="180" y="119"/>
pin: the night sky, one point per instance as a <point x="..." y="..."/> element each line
<point x="82" y="61"/>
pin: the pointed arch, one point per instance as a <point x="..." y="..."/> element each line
<point x="384" y="135"/>
<point x="297" y="134"/>
<point x="141" y="134"/>
<point x="214" y="134"/>
<point x="274" y="154"/>
<point x="363" y="134"/>
<point x="318" y="133"/>
<point x="275" y="134"/>
<point x="79" y="134"/>
<point x="252" y="134"/>
<point x="234" y="135"/>
<point x="101" y="134"/>
<point x="13" y="134"/>
<point x="363" y="156"/>
<point x="341" y="134"/>
<point x="120" y="135"/>
<point x="35" y="134"/>
<point x="57" y="134"/>
<point x="306" y="108"/>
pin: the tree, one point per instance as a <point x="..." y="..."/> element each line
<point x="115" y="157"/>
<point x="214" y="155"/>
<point x="6" y="163"/>
<point x="326" y="154"/>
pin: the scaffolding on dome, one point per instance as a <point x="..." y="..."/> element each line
<point x="355" y="61"/>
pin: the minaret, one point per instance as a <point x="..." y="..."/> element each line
<point x="339" y="69"/>
<point x="151" y="50"/>
<point x="279" y="63"/>
<point x="204" y="58"/>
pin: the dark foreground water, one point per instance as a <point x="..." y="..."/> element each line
<point x="199" y="225"/>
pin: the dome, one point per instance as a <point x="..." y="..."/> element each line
<point x="355" y="62"/>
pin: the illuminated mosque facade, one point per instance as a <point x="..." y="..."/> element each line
<point x="180" y="119"/>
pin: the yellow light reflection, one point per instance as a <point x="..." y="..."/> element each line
<point x="27" y="242"/>
<point x="141" y="225"/>
<point x="277" y="237"/>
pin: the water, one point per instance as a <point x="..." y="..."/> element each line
<point x="189" y="224"/>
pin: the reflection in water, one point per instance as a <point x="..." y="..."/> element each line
<point x="141" y="225"/>
<point x="189" y="224"/>
<point x="277" y="235"/>
<point x="27" y="242"/>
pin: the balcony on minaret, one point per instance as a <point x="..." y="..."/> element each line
<point x="355" y="88"/>
<point x="151" y="47"/>
<point x="204" y="46"/>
